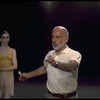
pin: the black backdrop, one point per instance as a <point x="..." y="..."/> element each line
<point x="30" y="24"/>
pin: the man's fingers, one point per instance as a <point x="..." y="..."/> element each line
<point x="21" y="78"/>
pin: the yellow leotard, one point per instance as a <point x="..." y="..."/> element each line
<point x="6" y="61"/>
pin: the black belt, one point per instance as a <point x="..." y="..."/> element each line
<point x="62" y="96"/>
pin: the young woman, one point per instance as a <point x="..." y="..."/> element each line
<point x="8" y="63"/>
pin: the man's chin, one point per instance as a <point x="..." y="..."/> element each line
<point x="55" y="48"/>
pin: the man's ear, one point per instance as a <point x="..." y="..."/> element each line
<point x="66" y="39"/>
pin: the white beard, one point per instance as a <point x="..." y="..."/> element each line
<point x="59" y="46"/>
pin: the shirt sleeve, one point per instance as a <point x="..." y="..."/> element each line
<point x="44" y="62"/>
<point x="77" y="57"/>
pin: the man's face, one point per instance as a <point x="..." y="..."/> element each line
<point x="58" y="39"/>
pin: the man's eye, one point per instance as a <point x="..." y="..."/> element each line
<point x="58" y="37"/>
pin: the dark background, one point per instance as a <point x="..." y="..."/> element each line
<point x="30" y="24"/>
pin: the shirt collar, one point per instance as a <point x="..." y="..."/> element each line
<point x="65" y="50"/>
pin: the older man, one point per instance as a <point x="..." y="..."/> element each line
<point x="61" y="66"/>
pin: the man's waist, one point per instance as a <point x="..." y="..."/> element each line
<point x="62" y="96"/>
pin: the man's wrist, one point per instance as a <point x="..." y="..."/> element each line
<point x="56" y="62"/>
